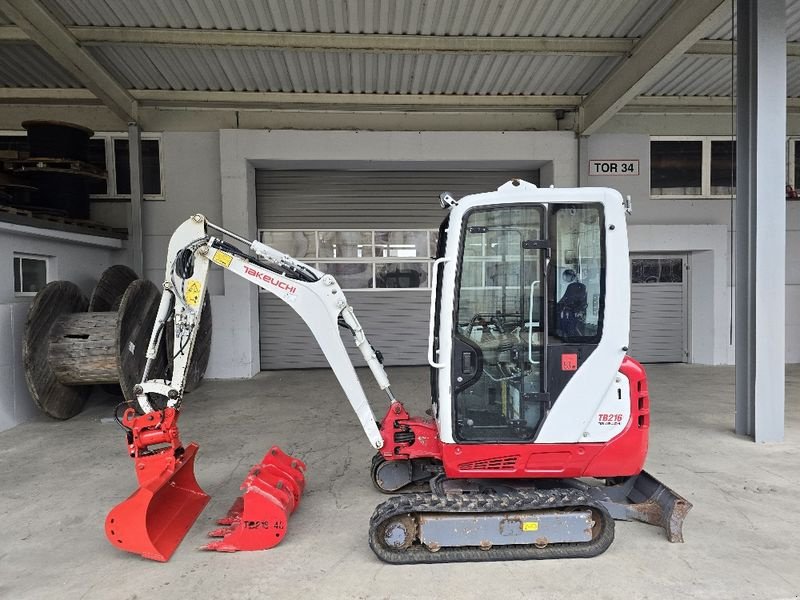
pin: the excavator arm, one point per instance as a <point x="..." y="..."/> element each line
<point x="155" y="518"/>
<point x="315" y="296"/>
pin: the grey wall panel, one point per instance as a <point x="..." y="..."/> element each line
<point x="396" y="323"/>
<point x="366" y="199"/>
<point x="658" y="322"/>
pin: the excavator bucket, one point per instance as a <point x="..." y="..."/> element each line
<point x="156" y="517"/>
<point x="257" y="519"/>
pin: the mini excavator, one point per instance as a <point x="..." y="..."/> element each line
<point x="538" y="429"/>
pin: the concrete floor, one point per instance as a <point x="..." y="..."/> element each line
<point x="58" y="480"/>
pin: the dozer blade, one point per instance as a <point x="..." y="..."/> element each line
<point x="644" y="498"/>
<point x="257" y="519"/>
<point x="156" y="517"/>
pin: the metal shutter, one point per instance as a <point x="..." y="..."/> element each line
<point x="658" y="313"/>
<point x="396" y="322"/>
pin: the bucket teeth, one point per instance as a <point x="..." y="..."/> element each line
<point x="220" y="532"/>
<point x="257" y="519"/>
<point x="234" y="513"/>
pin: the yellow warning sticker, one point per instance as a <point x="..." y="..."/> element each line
<point x="223" y="259"/>
<point x="530" y="526"/>
<point x="192" y="293"/>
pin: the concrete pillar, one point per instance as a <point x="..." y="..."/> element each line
<point x="135" y="226"/>
<point x="760" y="219"/>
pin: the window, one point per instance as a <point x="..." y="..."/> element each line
<point x="106" y="149"/>
<point x="30" y="274"/>
<point x="96" y="156"/>
<point x="676" y="167"/>
<point x="692" y="167"/>
<point x="362" y="259"/>
<point x="497" y="336"/>
<point x="151" y="167"/>
<point x="656" y="270"/>
<point x="578" y="273"/>
<point x="14" y="146"/>
<point x="723" y="167"/>
<point x="793" y="168"/>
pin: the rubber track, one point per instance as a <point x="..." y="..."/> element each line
<point x="523" y="500"/>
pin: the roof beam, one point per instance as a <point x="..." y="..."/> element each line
<point x="44" y="29"/>
<point x="677" y="31"/>
<point x="103" y="36"/>
<point x="335" y="101"/>
<point x="47" y="96"/>
<point x="376" y="43"/>
<point x="296" y="100"/>
<point x="314" y="101"/>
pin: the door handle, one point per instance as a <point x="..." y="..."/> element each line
<point x="434" y="285"/>
<point x="468" y="360"/>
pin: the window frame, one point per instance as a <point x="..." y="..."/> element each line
<point x="111" y="194"/>
<point x="791" y="160"/>
<point x="553" y="236"/>
<point x="26" y="255"/>
<point x="705" y="166"/>
<point x="372" y="260"/>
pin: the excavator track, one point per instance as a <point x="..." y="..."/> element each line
<point x="401" y="515"/>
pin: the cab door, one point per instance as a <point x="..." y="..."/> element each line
<point x="498" y="359"/>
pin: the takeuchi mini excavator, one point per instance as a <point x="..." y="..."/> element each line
<point x="538" y="428"/>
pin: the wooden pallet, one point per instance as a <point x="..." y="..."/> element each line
<point x="54" y="165"/>
<point x="15" y="211"/>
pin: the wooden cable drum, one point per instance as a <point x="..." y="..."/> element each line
<point x="66" y="350"/>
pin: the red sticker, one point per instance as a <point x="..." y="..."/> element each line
<point x="569" y="362"/>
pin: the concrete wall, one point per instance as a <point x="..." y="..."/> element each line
<point x="73" y="257"/>
<point x="711" y="282"/>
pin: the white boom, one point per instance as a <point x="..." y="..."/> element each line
<point x="315" y="296"/>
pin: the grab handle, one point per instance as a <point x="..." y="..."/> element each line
<point x="434" y="285"/>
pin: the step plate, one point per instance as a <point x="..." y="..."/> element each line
<point x="444" y="530"/>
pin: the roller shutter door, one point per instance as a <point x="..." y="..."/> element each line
<point x="380" y="225"/>
<point x="658" y="309"/>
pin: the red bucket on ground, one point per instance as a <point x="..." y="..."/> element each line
<point x="153" y="520"/>
<point x="257" y="519"/>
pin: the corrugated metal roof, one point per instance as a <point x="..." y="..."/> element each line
<point x="712" y="76"/>
<point x="695" y="76"/>
<point x="573" y="18"/>
<point x="27" y="65"/>
<point x="725" y="30"/>
<point x="245" y="69"/>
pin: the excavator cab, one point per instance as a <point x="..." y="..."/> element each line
<point x="527" y="305"/>
<point x="529" y="334"/>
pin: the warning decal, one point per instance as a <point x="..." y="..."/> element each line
<point x="569" y="362"/>
<point x="192" y="292"/>
<point x="530" y="526"/>
<point x="223" y="259"/>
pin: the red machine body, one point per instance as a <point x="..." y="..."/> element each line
<point x="623" y="455"/>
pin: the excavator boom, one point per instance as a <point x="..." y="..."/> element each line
<point x="156" y="517"/>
